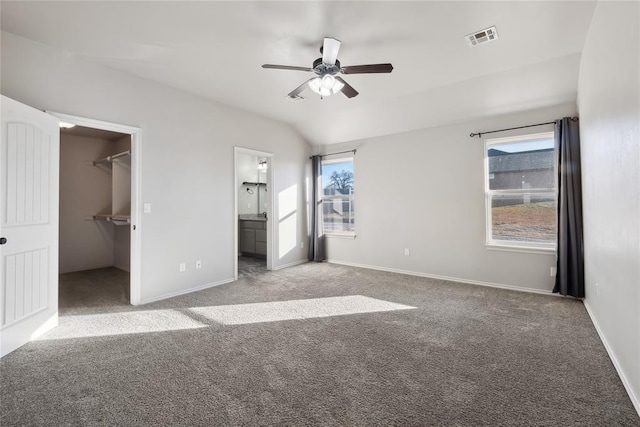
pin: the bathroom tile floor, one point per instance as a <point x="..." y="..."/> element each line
<point x="248" y="266"/>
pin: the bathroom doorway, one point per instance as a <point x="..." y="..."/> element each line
<point x="253" y="212"/>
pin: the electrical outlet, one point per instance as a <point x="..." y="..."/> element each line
<point x="301" y="245"/>
<point x="198" y="264"/>
<point x="183" y="267"/>
<point x="553" y="271"/>
<point x="407" y="252"/>
<point x="248" y="205"/>
<point x="597" y="290"/>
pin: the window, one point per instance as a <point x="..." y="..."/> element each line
<point x="337" y="196"/>
<point x="520" y="188"/>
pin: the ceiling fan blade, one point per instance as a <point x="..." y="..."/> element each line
<point x="287" y="67"/>
<point x="365" y="69"/>
<point x="297" y="91"/>
<point x="330" y="50"/>
<point x="347" y="89"/>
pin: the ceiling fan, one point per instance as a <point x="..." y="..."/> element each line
<point x="326" y="69"/>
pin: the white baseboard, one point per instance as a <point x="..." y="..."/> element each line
<point x="450" y="279"/>
<point x="625" y="382"/>
<point x="185" y="291"/>
<point x="291" y="264"/>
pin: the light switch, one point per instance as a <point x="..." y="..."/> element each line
<point x="146" y="207"/>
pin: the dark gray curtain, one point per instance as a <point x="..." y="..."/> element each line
<point x="316" y="237"/>
<point x="570" y="268"/>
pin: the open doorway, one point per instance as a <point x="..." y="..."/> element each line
<point x="98" y="243"/>
<point x="95" y="217"/>
<point x="253" y="212"/>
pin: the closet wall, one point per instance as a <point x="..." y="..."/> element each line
<point x="85" y="191"/>
<point x="121" y="203"/>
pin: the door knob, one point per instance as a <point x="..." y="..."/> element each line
<point x="3" y="240"/>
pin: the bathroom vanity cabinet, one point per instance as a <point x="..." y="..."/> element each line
<point x="252" y="237"/>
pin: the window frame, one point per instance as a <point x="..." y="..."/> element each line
<point x="514" y="245"/>
<point x="339" y="234"/>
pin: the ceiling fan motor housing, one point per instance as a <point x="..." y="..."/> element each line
<point x="322" y="69"/>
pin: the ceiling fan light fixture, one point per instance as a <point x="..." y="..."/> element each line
<point x="328" y="81"/>
<point x="326" y="85"/>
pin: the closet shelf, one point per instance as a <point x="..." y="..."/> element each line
<point x="110" y="159"/>
<point x="116" y="219"/>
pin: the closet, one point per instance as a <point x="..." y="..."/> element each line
<point x="95" y="205"/>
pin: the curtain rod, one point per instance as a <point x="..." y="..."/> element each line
<point x="479" y="134"/>
<point x="340" y="152"/>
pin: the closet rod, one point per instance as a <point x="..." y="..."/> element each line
<point x="111" y="158"/>
<point x="111" y="218"/>
<point x="124" y="153"/>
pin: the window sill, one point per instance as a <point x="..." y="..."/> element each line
<point x="340" y="235"/>
<point x="526" y="249"/>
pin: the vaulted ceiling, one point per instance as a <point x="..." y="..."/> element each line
<point x="216" y="49"/>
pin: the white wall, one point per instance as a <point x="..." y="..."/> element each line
<point x="187" y="160"/>
<point x="609" y="105"/>
<point x="247" y="172"/>
<point x="424" y="190"/>
<point x="84" y="191"/>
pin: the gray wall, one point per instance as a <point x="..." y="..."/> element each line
<point x="187" y="160"/>
<point x="424" y="190"/>
<point x="609" y="104"/>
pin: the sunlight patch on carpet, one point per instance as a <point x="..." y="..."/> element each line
<point x="240" y="314"/>
<point x="134" y="322"/>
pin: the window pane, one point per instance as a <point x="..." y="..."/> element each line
<point x="524" y="218"/>
<point x="521" y="165"/>
<point x="337" y="196"/>
<point x="337" y="214"/>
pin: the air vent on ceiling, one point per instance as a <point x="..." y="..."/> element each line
<point x="483" y="36"/>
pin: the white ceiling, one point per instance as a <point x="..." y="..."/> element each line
<point x="216" y="49"/>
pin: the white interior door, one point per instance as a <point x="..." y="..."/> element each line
<point x="29" y="224"/>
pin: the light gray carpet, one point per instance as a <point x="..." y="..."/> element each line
<point x="465" y="355"/>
